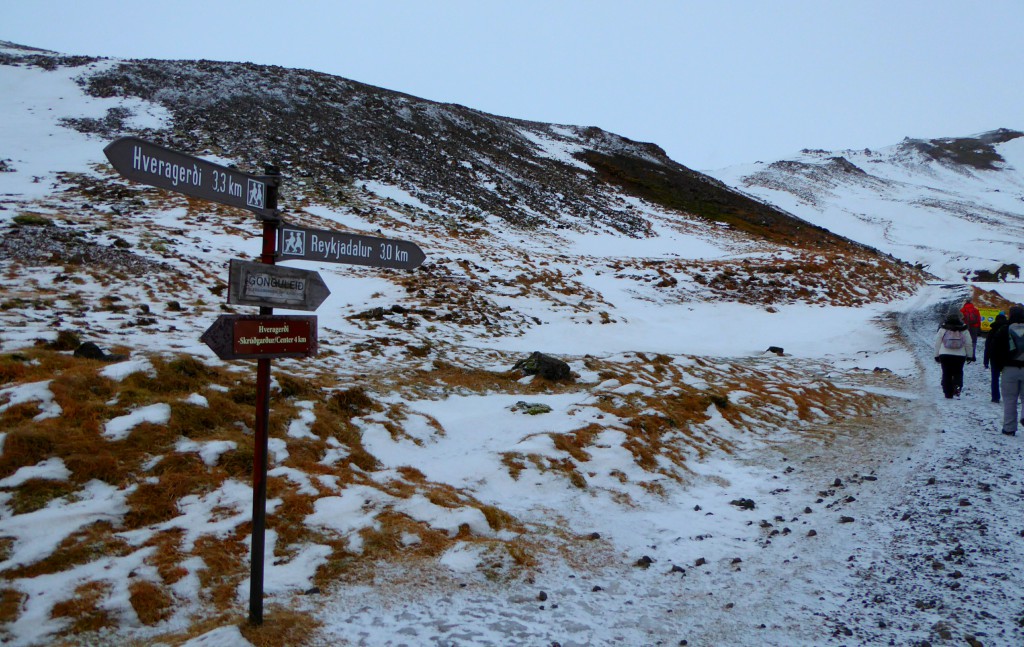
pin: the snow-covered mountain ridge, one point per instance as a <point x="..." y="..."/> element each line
<point x="421" y="490"/>
<point x="926" y="197"/>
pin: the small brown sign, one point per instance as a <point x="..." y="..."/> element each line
<point x="262" y="336"/>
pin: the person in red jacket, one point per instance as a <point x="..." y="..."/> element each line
<point x="973" y="320"/>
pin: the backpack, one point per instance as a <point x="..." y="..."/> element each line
<point x="971" y="317"/>
<point x="1016" y="345"/>
<point x="954" y="340"/>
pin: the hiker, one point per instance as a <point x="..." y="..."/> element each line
<point x="952" y="349"/>
<point x="1007" y="354"/>
<point x="997" y="323"/>
<point x="973" y="320"/>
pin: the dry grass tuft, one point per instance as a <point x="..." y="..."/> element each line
<point x="13" y="368"/>
<point x="167" y="556"/>
<point x="282" y="627"/>
<point x="389" y="540"/>
<point x="151" y="602"/>
<point x="25" y="446"/>
<point x="83" y="609"/>
<point x="36" y="494"/>
<point x="10" y="605"/>
<point x="179" y="475"/>
<point x="227" y="566"/>
<point x="353" y="402"/>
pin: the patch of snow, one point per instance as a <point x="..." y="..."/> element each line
<point x="120" y="427"/>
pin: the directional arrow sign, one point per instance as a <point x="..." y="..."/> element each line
<point x="337" y="247"/>
<point x="274" y="286"/>
<point x="262" y="336"/>
<point x="152" y="164"/>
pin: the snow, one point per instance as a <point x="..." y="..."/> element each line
<point x="741" y="576"/>
<point x="34" y="392"/>
<point x="37" y="533"/>
<point x="121" y="370"/>
<point x="52" y="469"/>
<point x="198" y="400"/>
<point x="210" y="451"/>
<point x="120" y="427"/>
<point x="33" y="106"/>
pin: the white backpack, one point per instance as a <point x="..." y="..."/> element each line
<point x="953" y="339"/>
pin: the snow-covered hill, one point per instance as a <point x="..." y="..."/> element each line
<point x="422" y="491"/>
<point x="928" y="202"/>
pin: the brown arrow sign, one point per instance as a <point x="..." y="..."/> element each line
<point x="262" y="336"/>
<point x="274" y="286"/>
<point x="338" y="247"/>
<point x="142" y="161"/>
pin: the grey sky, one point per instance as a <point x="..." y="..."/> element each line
<point x="714" y="83"/>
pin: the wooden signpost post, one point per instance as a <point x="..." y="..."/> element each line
<point x="265" y="336"/>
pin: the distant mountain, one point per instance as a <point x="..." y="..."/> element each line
<point x="919" y="200"/>
<point x="331" y="132"/>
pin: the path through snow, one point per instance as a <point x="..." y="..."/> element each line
<point x="908" y="532"/>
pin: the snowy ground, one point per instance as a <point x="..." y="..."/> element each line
<point x="905" y="532"/>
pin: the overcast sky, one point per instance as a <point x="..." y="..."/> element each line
<point x="714" y="83"/>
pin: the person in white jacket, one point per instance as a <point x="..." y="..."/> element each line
<point x="952" y="349"/>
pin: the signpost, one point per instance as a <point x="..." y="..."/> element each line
<point x="262" y="336"/>
<point x="152" y="164"/>
<point x="327" y="246"/>
<point x="265" y="336"/>
<point x="259" y="284"/>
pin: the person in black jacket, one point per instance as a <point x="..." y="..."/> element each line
<point x="1009" y="358"/>
<point x="997" y="323"/>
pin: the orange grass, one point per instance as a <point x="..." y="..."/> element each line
<point x="83" y="609"/>
<point x="152" y="603"/>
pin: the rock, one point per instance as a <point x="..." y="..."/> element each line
<point x="542" y="596"/>
<point x="812" y="533"/>
<point x="594" y="535"/>
<point x="644" y="562"/>
<point x="547" y="367"/>
<point x="743" y="504"/>
<point x="845" y="519"/>
<point x="700" y="562"/>
<point x="90" y="350"/>
<point x="531" y="408"/>
<point x="676" y="568"/>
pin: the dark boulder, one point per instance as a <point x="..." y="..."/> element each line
<point x="549" y="368"/>
<point x="90" y="350"/>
